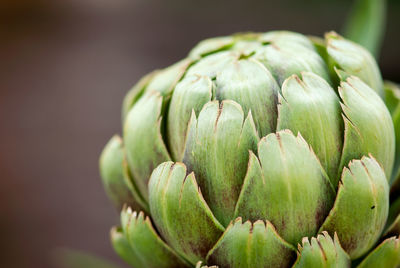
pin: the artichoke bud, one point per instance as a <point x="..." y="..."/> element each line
<point x="252" y="145"/>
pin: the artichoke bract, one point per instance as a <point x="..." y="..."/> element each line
<point x="258" y="150"/>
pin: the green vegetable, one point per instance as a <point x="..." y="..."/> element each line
<point x="258" y="150"/>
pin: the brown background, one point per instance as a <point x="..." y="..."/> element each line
<point x="64" y="69"/>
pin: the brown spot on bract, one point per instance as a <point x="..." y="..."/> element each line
<point x="298" y="79"/>
<point x="274" y="46"/>
<point x="251" y="228"/>
<point x="279" y="139"/>
<point x="200" y="248"/>
<point x="349" y="243"/>
<point x="172" y="167"/>
<point x="221" y="105"/>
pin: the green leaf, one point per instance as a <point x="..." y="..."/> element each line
<point x="247" y="47"/>
<point x="111" y="172"/>
<point x="212" y="45"/>
<point x="147" y="245"/>
<point x="190" y="94"/>
<point x="213" y="64"/>
<point x="387" y="255"/>
<point x="162" y="81"/>
<point x="322" y="252"/>
<point x="251" y="85"/>
<point x="180" y="213"/>
<point x="366" y="24"/>
<point x="217" y="151"/>
<point x="145" y="148"/>
<point x="286" y="38"/>
<point x="354" y="60"/>
<point x="251" y="245"/>
<point x="286" y="186"/>
<point x="132" y="185"/>
<point x="135" y="93"/>
<point x="288" y="53"/>
<point x="361" y="207"/>
<point x="121" y="246"/>
<point x="368" y="125"/>
<point x="311" y="107"/>
<point x="165" y="80"/>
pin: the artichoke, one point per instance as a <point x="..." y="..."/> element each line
<point x="259" y="150"/>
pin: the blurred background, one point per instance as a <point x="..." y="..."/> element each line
<point x="65" y="66"/>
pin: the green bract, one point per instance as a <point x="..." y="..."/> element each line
<point x="259" y="150"/>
